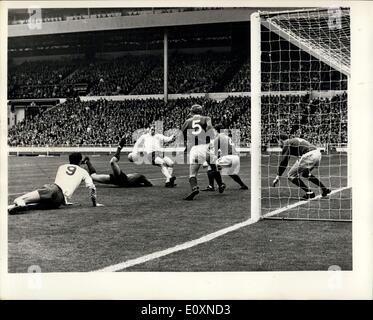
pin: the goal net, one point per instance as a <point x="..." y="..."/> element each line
<point x="300" y="65"/>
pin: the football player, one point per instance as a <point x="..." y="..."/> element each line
<point x="228" y="160"/>
<point x="52" y="196"/>
<point x="152" y="143"/>
<point x="118" y="177"/>
<point x="197" y="130"/>
<point x="309" y="157"/>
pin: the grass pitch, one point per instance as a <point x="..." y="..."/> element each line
<point x="140" y="221"/>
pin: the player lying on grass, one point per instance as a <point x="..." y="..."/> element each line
<point x="152" y="143"/>
<point x="52" y="196"/>
<point x="118" y="177"/>
<point x="228" y="160"/>
<point x="309" y="158"/>
<point x="196" y="130"/>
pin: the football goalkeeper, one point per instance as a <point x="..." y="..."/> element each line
<point x="118" y="177"/>
<point x="309" y="158"/>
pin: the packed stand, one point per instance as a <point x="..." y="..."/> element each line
<point x="38" y="79"/>
<point x="321" y="120"/>
<point x="118" y="76"/>
<point x="143" y="74"/>
<point x="188" y="73"/>
<point x="103" y="122"/>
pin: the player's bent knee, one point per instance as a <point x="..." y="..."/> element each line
<point x="131" y="156"/>
<point x="113" y="160"/>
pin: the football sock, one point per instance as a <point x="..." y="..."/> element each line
<point x="298" y="182"/>
<point x="218" y="178"/>
<point x="210" y="175"/>
<point x="122" y="142"/>
<point x="193" y="182"/>
<point x="316" y="181"/>
<point x="216" y="174"/>
<point x="170" y="170"/>
<point x="90" y="166"/>
<point x="236" y="178"/>
<point x="165" y="172"/>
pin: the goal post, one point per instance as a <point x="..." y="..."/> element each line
<point x="255" y="145"/>
<point x="300" y="71"/>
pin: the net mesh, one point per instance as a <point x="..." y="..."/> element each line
<point x="324" y="32"/>
<point x="305" y="60"/>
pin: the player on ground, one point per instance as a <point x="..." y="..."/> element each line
<point x="118" y="177"/>
<point x="152" y="143"/>
<point x="309" y="158"/>
<point x="196" y="129"/>
<point x="52" y="196"/>
<point x="228" y="160"/>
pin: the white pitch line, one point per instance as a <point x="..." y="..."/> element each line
<point x="189" y="244"/>
<point x="180" y="247"/>
<point x="299" y="203"/>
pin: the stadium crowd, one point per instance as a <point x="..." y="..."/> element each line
<point x="104" y="122"/>
<point x="143" y="74"/>
<point x="319" y="120"/>
<point x="38" y="79"/>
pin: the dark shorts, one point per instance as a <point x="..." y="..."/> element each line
<point x="151" y="156"/>
<point x="131" y="180"/>
<point x="51" y="195"/>
<point x="121" y="180"/>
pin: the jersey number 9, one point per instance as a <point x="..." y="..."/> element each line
<point x="70" y="170"/>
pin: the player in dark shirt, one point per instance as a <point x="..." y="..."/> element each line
<point x="309" y="158"/>
<point x="118" y="177"/>
<point x="228" y="159"/>
<point x="197" y="130"/>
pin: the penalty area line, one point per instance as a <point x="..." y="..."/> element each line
<point x="299" y="203"/>
<point x="180" y="247"/>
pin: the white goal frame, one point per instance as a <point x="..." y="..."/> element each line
<point x="256" y="93"/>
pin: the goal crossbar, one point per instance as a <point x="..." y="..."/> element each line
<point x="327" y="52"/>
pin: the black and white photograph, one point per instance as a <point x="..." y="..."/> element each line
<point x="179" y="139"/>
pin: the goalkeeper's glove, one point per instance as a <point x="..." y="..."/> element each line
<point x="277" y="179"/>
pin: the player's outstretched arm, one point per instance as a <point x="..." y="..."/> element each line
<point x="184" y="127"/>
<point x="92" y="190"/>
<point x="138" y="144"/>
<point x="166" y="139"/>
<point x="283" y="165"/>
<point x="208" y="124"/>
<point x="94" y="197"/>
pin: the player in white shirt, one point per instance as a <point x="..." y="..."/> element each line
<point x="151" y="144"/>
<point x="52" y="196"/>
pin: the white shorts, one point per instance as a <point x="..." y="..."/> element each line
<point x="201" y="153"/>
<point x="307" y="162"/>
<point x="230" y="165"/>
